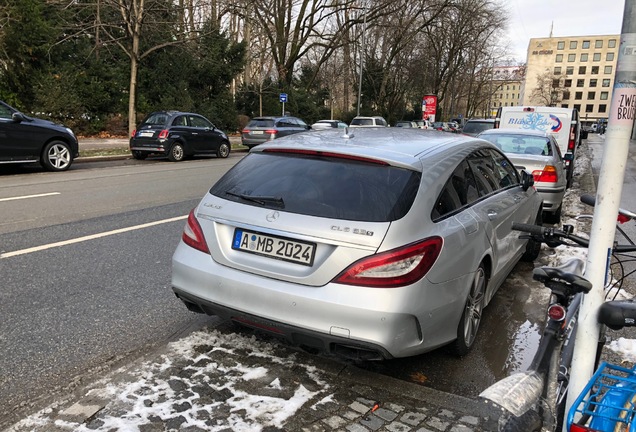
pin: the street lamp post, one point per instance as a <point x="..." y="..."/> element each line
<point x="364" y="30"/>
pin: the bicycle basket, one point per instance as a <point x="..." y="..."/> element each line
<point x="607" y="402"/>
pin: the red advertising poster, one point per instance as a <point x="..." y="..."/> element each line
<point x="429" y="107"/>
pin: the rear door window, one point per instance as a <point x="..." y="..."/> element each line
<point x="321" y="186"/>
<point x="459" y="191"/>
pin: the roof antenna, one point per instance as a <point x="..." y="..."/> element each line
<point x="347" y="135"/>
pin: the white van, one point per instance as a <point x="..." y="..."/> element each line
<point x="563" y="123"/>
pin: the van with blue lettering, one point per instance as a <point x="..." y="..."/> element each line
<point x="563" y="123"/>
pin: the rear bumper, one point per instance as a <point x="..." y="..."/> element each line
<point x="552" y="197"/>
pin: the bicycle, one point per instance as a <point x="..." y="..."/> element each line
<point x="534" y="400"/>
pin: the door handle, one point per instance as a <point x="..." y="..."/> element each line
<point x="492" y="214"/>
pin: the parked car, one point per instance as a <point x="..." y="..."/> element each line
<point x="263" y="129"/>
<point x="178" y="135"/>
<point x="328" y="124"/>
<point x="28" y="139"/>
<point x="424" y="124"/>
<point x="375" y="121"/>
<point x="538" y="153"/>
<point x="454" y="127"/>
<point x="474" y="127"/>
<point x="379" y="244"/>
<point x="406" y="124"/>
<point x="441" y="126"/>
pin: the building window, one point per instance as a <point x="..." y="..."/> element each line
<point x="597" y="57"/>
<point x="593" y="82"/>
<point x="589" y="108"/>
<point x="559" y="58"/>
<point x="611" y="43"/>
<point x="584" y="57"/>
<point x="606" y="82"/>
<point x="582" y="70"/>
<point x="577" y="107"/>
<point x="594" y="70"/>
<point x="586" y="44"/>
<point x="566" y="95"/>
<point x="602" y="108"/>
<point x="572" y="44"/>
<point x="515" y="87"/>
<point x="556" y="83"/>
<point x="578" y="95"/>
<point x="591" y="95"/>
<point x="564" y="105"/>
<point x="580" y="83"/>
<point x="604" y="95"/>
<point x="571" y="58"/>
<point x="567" y="83"/>
<point x="598" y="43"/>
<point x="557" y="71"/>
<point x="609" y="56"/>
<point x="560" y="45"/>
<point x="607" y="70"/>
<point x="569" y="70"/>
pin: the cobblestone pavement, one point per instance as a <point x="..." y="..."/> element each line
<point x="216" y="381"/>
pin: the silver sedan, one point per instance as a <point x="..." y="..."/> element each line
<point x="538" y="153"/>
<point x="372" y="244"/>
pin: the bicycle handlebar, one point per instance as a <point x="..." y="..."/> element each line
<point x="550" y="236"/>
<point x="591" y="201"/>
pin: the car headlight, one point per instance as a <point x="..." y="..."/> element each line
<point x="69" y="131"/>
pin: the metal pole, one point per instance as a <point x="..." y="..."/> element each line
<point x="608" y="194"/>
<point x="364" y="30"/>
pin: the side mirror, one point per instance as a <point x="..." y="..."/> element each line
<point x="18" y="117"/>
<point x="527" y="180"/>
<point x="568" y="157"/>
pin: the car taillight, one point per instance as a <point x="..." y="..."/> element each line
<point x="245" y="131"/>
<point x="193" y="234"/>
<point x="395" y="268"/>
<point x="271" y="131"/>
<point x="134" y="132"/>
<point x="548" y="174"/>
<point x="571" y="142"/>
<point x="163" y="134"/>
<point x="580" y="428"/>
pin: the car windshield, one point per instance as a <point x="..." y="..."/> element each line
<point x="330" y="187"/>
<point x="261" y="123"/>
<point x="520" y="144"/>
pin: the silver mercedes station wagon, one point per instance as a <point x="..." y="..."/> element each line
<point x="366" y="243"/>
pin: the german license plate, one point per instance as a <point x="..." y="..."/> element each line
<point x="281" y="248"/>
<point x="257" y="132"/>
<point x="146" y="133"/>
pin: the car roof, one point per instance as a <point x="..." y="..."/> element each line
<point x="396" y="146"/>
<point x="511" y="131"/>
<point x="481" y="120"/>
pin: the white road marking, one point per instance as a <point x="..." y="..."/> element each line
<point x="29" y="196"/>
<point x="89" y="237"/>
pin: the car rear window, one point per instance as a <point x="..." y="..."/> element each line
<point x="477" y="127"/>
<point x="330" y="187"/>
<point x="521" y="144"/>
<point x="261" y="123"/>
<point x="362" y="122"/>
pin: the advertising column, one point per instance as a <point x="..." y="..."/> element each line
<point x="429" y="107"/>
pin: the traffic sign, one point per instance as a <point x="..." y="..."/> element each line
<point x="283" y="97"/>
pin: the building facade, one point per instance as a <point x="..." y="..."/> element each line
<point x="507" y="82"/>
<point x="572" y="72"/>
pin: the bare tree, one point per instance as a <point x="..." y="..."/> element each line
<point x="548" y="90"/>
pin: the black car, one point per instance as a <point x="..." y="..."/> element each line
<point x="177" y="135"/>
<point x="25" y="139"/>
<point x="263" y="129"/>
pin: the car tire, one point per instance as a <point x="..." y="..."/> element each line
<point x="471" y="317"/>
<point x="176" y="153"/>
<point x="224" y="150"/>
<point x="56" y="156"/>
<point x="139" y="155"/>
<point x="533" y="247"/>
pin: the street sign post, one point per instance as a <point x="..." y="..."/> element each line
<point x="283" y="99"/>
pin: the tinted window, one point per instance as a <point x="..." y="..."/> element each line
<point x="264" y="123"/>
<point x="362" y="122"/>
<point x="486" y="176"/>
<point x="5" y="112"/>
<point x="476" y="127"/>
<point x="460" y="190"/>
<point x="323" y="186"/>
<point x="179" y="121"/>
<point x="506" y="171"/>
<point x="156" y="119"/>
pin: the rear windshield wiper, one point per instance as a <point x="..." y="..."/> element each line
<point x="262" y="200"/>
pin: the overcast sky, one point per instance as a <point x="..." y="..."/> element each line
<point x="534" y="18"/>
